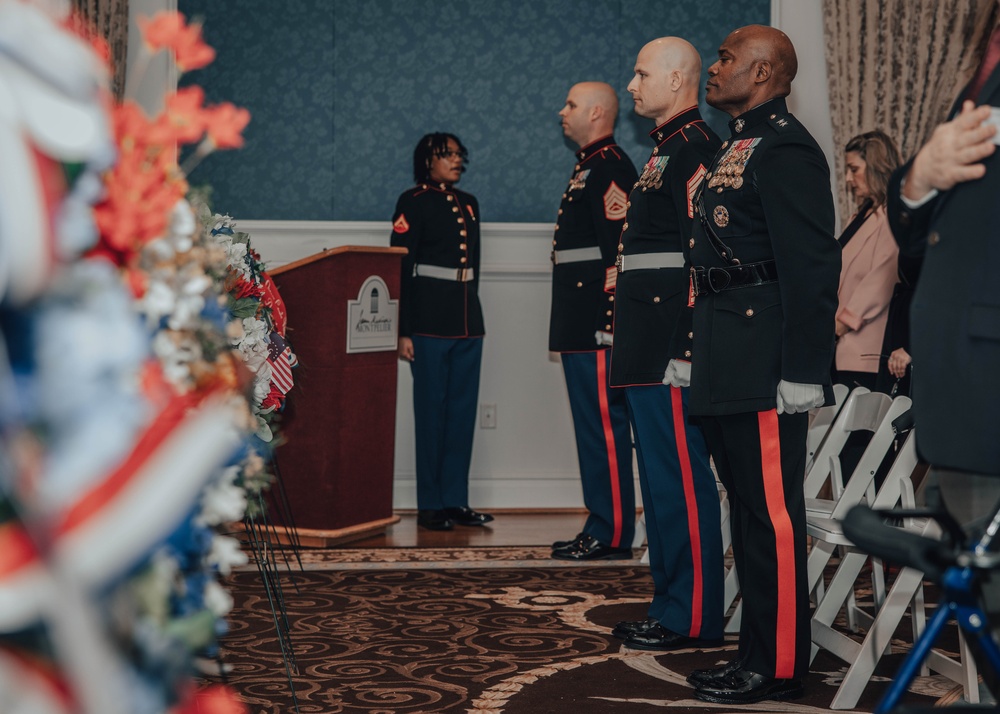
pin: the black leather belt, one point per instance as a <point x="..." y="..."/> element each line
<point x="715" y="280"/>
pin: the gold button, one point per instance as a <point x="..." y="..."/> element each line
<point x="463" y="233"/>
<point x="580" y="285"/>
<point x="463" y="259"/>
<point x="564" y="195"/>
<point x="607" y="327"/>
<point x="656" y="150"/>
<point x="628" y="204"/>
<point x="557" y="226"/>
<point x="553" y="242"/>
<point x="570" y="198"/>
<point x="621" y="247"/>
<point x="450" y="198"/>
<point x="773" y="116"/>
<point x="454" y="209"/>
<point x="424" y="186"/>
<point x="611" y="298"/>
<point x="934" y="238"/>
<point x="463" y="246"/>
<point x="460" y="219"/>
<point x="691" y="243"/>
<point x="577" y="167"/>
<point x="749" y="312"/>
<point x="625" y="227"/>
<point x="687" y="353"/>
<point x="560" y="212"/>
<point x="609" y="313"/>
<point x="690" y="335"/>
<point x="656" y="299"/>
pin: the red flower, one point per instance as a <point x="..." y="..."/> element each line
<point x="224" y="124"/>
<point x="190" y="50"/>
<point x="183" y="118"/>
<point x="168" y="30"/>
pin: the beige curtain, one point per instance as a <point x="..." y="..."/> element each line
<point x="897" y="65"/>
<point x="110" y="20"/>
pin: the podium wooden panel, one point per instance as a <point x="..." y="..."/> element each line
<point x="339" y="422"/>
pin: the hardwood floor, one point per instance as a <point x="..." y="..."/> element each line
<point x="510" y="528"/>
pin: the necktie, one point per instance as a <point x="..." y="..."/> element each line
<point x="991" y="58"/>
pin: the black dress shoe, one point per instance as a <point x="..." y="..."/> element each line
<point x="623" y="629"/>
<point x="742" y="686"/>
<point x="589" y="548"/>
<point x="434" y="520"/>
<point x="566" y="543"/>
<point x="659" y="639"/>
<point x="700" y="677"/>
<point x="465" y="516"/>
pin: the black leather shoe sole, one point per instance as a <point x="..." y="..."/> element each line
<point x="468" y="517"/>
<point x="775" y="689"/>
<point x="703" y="677"/>
<point x="601" y="554"/>
<point x="666" y="644"/>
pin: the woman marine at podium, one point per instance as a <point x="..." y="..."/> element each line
<point x="441" y="327"/>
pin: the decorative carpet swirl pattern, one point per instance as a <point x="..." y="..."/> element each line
<point x="517" y="640"/>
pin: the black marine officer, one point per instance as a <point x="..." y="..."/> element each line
<point x="765" y="274"/>
<point x="583" y="253"/>
<point x="652" y="324"/>
<point x="441" y="327"/>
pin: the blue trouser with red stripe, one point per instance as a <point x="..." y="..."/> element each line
<point x="604" y="447"/>
<point x="681" y="504"/>
<point x="760" y="457"/>
<point x="445" y="391"/>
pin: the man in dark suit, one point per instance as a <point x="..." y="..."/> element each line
<point x="584" y="247"/>
<point x="652" y="324"/>
<point x="765" y="273"/>
<point x="943" y="205"/>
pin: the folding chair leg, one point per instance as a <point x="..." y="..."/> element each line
<point x="640" y="532"/>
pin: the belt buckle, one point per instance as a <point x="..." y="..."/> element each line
<point x="711" y="285"/>
<point x="461" y="274"/>
<point x="619" y="262"/>
<point x="694" y="281"/>
<point x="553" y="258"/>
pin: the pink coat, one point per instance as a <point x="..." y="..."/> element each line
<point x="867" y="275"/>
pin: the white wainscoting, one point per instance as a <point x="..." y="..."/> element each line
<point x="529" y="460"/>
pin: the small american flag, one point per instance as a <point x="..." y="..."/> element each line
<point x="281" y="359"/>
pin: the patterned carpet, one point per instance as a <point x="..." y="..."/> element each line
<point x="485" y="630"/>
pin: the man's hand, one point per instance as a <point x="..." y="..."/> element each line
<point x="952" y="153"/>
<point x="794" y="397"/>
<point x="677" y="374"/>
<point x="899" y="360"/>
<point x="405" y="349"/>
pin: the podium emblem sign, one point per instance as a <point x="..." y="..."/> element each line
<point x="372" y="319"/>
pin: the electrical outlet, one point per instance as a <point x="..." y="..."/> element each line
<point x="487" y="416"/>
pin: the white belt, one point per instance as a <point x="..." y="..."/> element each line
<point x="646" y="261"/>
<point x="577" y="255"/>
<point x="460" y="275"/>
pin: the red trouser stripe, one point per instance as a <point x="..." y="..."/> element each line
<point x="609" y="441"/>
<point x="784" y="541"/>
<point x="691" y="503"/>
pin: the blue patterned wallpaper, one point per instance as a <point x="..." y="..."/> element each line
<point x="341" y="90"/>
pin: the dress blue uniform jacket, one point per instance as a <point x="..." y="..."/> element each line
<point x="652" y="317"/>
<point x="767" y="197"/>
<point x="590" y="216"/>
<point x="439" y="225"/>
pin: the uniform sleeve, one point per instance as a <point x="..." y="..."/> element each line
<point x="872" y="294"/>
<point x="692" y="162"/>
<point x="909" y="225"/>
<point x="609" y="186"/>
<point x="794" y="185"/>
<point x="406" y="228"/>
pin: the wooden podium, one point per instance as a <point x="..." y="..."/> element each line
<point x="339" y="423"/>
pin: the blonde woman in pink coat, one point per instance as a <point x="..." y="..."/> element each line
<point x="869" y="265"/>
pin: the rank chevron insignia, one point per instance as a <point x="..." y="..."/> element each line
<point x="614" y="202"/>
<point x="400" y="225"/>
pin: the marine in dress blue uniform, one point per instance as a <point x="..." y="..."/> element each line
<point x="766" y="268"/>
<point x="591" y="215"/>
<point x="652" y="325"/>
<point x="441" y="327"/>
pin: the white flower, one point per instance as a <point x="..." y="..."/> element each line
<point x="222" y="501"/>
<point x="217" y="600"/>
<point x="225" y="554"/>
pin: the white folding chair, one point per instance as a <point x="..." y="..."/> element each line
<point x="821" y="419"/>
<point x="906" y="592"/>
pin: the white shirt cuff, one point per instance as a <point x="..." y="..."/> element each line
<point x="910" y="203"/>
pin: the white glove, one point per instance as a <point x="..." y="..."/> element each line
<point x="604" y="338"/>
<point x="677" y="374"/>
<point x="794" y="397"/>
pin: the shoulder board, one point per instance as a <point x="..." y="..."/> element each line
<point x="782" y="122"/>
